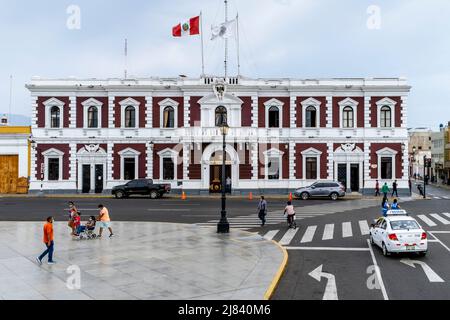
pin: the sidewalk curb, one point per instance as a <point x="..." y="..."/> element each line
<point x="276" y="280"/>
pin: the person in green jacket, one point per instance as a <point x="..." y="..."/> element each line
<point x="385" y="189"/>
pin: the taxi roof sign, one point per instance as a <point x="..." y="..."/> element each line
<point x="397" y="213"/>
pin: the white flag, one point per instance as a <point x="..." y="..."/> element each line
<point x="225" y="30"/>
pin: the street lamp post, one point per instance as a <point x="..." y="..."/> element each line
<point x="424" y="177"/>
<point x="223" y="226"/>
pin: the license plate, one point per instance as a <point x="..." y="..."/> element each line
<point x="410" y="248"/>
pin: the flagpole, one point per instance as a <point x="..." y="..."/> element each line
<point x="238" y="50"/>
<point x="126" y="58"/>
<point x="226" y="41"/>
<point x="201" y="35"/>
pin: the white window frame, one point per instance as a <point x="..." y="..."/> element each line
<point x="171" y="154"/>
<point x="386" y="102"/>
<point x="86" y="105"/>
<point x="311" y="102"/>
<point x="125" y="154"/>
<point x="273" y="153"/>
<point x="387" y="153"/>
<point x="53" y="154"/>
<point x="49" y="104"/>
<point x="311" y="153"/>
<point x="274" y="103"/>
<point x="348" y="102"/>
<point x="164" y="104"/>
<point x="129" y="102"/>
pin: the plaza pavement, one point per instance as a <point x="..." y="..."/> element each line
<point x="148" y="261"/>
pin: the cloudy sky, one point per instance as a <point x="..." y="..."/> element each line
<point x="279" y="38"/>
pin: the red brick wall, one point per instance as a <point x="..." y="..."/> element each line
<point x="245" y="167"/>
<point x="66" y="158"/>
<point x="156" y="161"/>
<point x="359" y="116"/>
<point x="195" y="169"/>
<point x="195" y="115"/>
<point x="142" y="159"/>
<point x="41" y="111"/>
<point x="398" y="158"/>
<point x="246" y="112"/>
<point x="156" y="111"/>
<point x="285" y="111"/>
<point x="285" y="160"/>
<point x="322" y="147"/>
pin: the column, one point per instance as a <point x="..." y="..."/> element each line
<point x="367" y="113"/>
<point x="329" y="112"/>
<point x="330" y="171"/>
<point x="149" y="112"/>
<point x="73" y="163"/>
<point x="255" y="112"/>
<point x="404" y="112"/>
<point x="405" y="159"/>
<point x="293" y="112"/>
<point x="367" y="165"/>
<point x="150" y="149"/>
<point x="292" y="161"/>
<point x="109" y="161"/>
<point x="187" y="112"/>
<point x="34" y="112"/>
<point x="254" y="160"/>
<point x="111" y="115"/>
<point x="73" y="112"/>
<point x="186" y="157"/>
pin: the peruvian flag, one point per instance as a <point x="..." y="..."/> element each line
<point x="188" y="28"/>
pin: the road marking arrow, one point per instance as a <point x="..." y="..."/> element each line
<point x="331" y="289"/>
<point x="431" y="275"/>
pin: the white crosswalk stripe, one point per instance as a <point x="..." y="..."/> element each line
<point x="288" y="236"/>
<point x="364" y="227"/>
<point x="309" y="234"/>
<point x="347" y="230"/>
<point x="328" y="232"/>
<point x="446" y="214"/>
<point x="271" y="234"/>
<point x="440" y="219"/>
<point x="427" y="220"/>
<point x="445" y="197"/>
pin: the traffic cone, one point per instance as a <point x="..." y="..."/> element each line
<point x="250" y="196"/>
<point x="183" y="196"/>
<point x="290" y="197"/>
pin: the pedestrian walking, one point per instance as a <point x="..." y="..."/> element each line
<point x="394" y="188"/>
<point x="289" y="212"/>
<point x="48" y="241"/>
<point x="72" y="211"/>
<point x="410" y="186"/>
<point x="377" y="189"/>
<point x="104" y="221"/>
<point x="262" y="211"/>
<point x="385" y="190"/>
<point x="228" y="185"/>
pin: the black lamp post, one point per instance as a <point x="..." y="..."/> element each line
<point x="224" y="226"/>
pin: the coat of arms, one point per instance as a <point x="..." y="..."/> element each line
<point x="220" y="89"/>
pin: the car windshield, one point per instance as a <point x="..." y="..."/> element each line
<point x="404" y="225"/>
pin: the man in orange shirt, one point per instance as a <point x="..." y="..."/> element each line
<point x="105" y="220"/>
<point x="48" y="240"/>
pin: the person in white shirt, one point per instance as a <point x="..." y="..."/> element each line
<point x="290" y="212"/>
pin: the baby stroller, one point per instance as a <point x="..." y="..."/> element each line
<point x="88" y="231"/>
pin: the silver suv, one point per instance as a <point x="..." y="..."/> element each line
<point x="321" y="189"/>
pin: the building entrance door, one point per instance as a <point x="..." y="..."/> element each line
<point x="9" y="174"/>
<point x="215" y="176"/>
<point x="86" y="178"/>
<point x="342" y="174"/>
<point x="354" y="177"/>
<point x="98" y="178"/>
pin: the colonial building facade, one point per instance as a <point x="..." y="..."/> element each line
<point x="91" y="135"/>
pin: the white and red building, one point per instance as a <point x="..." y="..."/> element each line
<point x="91" y="135"/>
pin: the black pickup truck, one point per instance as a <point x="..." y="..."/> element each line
<point x="141" y="187"/>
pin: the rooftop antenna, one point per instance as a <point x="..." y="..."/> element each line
<point x="126" y="59"/>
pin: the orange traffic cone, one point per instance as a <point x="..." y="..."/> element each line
<point x="291" y="197"/>
<point x="183" y="196"/>
<point x="250" y="196"/>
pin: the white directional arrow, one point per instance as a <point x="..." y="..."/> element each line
<point x="331" y="289"/>
<point x="431" y="275"/>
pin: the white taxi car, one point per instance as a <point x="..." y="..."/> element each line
<point x="399" y="233"/>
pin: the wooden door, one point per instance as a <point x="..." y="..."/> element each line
<point x="9" y="174"/>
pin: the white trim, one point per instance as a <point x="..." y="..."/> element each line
<point x="311" y="102"/>
<point x="206" y="161"/>
<point x="273" y="153"/>
<point x="49" y="104"/>
<point x="389" y="103"/>
<point x="53" y="154"/>
<point x="163" y="105"/>
<point x="387" y="153"/>
<point x="171" y="154"/>
<point x="274" y="103"/>
<point x="94" y="157"/>
<point x="92" y="103"/>
<point x="348" y="102"/>
<point x="129" y="153"/>
<point x="127" y="103"/>
<point x="311" y="153"/>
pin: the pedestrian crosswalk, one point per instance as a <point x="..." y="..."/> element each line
<point x="439" y="197"/>
<point x="342" y="230"/>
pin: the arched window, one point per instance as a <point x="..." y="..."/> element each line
<point x="311" y="117"/>
<point x="386" y="117"/>
<point x="348" y="117"/>
<point x="274" y="117"/>
<point x="55" y="117"/>
<point x="169" y="117"/>
<point x="221" y="116"/>
<point x="93" y="117"/>
<point x="130" y="117"/>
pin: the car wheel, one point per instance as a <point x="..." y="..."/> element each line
<point x="154" y="194"/>
<point x="305" y="196"/>
<point x="371" y="240"/>
<point x="422" y="254"/>
<point x="334" y="196"/>
<point x="120" y="195"/>
<point x="385" y="251"/>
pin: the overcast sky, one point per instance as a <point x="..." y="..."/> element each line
<point x="279" y="38"/>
